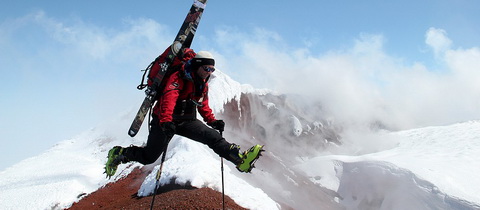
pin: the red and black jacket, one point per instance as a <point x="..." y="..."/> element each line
<point x="182" y="97"/>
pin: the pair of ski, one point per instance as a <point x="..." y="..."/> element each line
<point x="182" y="40"/>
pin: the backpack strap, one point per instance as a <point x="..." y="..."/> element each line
<point x="143" y="85"/>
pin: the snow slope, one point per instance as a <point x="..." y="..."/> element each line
<point x="429" y="168"/>
<point x="56" y="177"/>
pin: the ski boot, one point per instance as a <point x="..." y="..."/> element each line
<point x="249" y="158"/>
<point x="115" y="157"/>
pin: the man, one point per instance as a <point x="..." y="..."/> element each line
<point x="185" y="92"/>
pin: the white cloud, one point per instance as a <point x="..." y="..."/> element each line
<point x="437" y="39"/>
<point x="363" y="83"/>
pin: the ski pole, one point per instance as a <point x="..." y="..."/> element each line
<point x="223" y="190"/>
<point x="159" y="172"/>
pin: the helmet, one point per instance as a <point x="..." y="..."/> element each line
<point x="203" y="58"/>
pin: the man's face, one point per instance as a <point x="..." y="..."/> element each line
<point x="205" y="71"/>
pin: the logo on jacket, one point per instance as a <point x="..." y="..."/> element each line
<point x="173" y="85"/>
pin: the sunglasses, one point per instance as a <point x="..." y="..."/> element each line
<point x="208" y="69"/>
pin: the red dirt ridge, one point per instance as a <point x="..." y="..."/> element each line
<point x="123" y="195"/>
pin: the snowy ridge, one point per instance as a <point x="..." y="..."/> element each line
<point x="57" y="177"/>
<point x="193" y="163"/>
<point x="457" y="147"/>
<point x="223" y="89"/>
<point x="430" y="168"/>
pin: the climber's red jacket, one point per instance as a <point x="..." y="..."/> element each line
<point x="178" y="101"/>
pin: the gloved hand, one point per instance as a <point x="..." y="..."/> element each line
<point x="217" y="125"/>
<point x="168" y="128"/>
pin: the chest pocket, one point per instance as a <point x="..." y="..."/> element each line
<point x="185" y="109"/>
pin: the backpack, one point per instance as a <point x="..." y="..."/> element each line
<point x="155" y="67"/>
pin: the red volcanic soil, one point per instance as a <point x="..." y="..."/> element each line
<point x="122" y="195"/>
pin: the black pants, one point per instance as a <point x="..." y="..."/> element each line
<point x="192" y="129"/>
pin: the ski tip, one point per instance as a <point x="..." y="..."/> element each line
<point x="200" y="3"/>
<point x="132" y="133"/>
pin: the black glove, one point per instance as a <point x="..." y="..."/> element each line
<point x="168" y="128"/>
<point x="217" y="125"/>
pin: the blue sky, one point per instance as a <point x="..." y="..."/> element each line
<point x="68" y="65"/>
